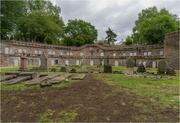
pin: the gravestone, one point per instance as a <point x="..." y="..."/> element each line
<point x="141" y="68"/>
<point x="43" y="66"/>
<point x="54" y="70"/>
<point x="107" y="67"/>
<point x="129" y="66"/>
<point x="129" y="63"/>
<point x="23" y="66"/>
<point x="83" y="68"/>
<point x="73" y="71"/>
<point x="161" y="67"/>
<point x="170" y="71"/>
<point x="63" y="69"/>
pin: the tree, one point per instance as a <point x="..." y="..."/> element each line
<point x="148" y="14"/>
<point x="48" y="40"/>
<point x="129" y="41"/>
<point x="38" y="25"/>
<point x="79" y="28"/>
<point x="79" y="41"/>
<point x="11" y="14"/>
<point x="152" y="31"/>
<point x="111" y="36"/>
<point x="68" y="41"/>
<point x="42" y="19"/>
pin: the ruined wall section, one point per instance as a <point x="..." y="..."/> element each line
<point x="171" y="49"/>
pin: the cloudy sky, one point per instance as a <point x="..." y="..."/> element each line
<point x="119" y="15"/>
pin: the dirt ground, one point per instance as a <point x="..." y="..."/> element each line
<point x="89" y="100"/>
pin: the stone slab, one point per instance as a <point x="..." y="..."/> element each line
<point x="128" y="71"/>
<point x="39" y="80"/>
<point x="59" y="79"/>
<point x="32" y="74"/>
<point x="16" y="80"/>
<point x="7" y="77"/>
<point x="79" y="77"/>
<point x="13" y="73"/>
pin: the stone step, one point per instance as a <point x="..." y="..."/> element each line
<point x="39" y="80"/>
<point x="7" y="77"/>
<point x="79" y="77"/>
<point x="16" y="80"/>
<point x="59" y="79"/>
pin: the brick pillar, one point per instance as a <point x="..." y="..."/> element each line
<point x="23" y="63"/>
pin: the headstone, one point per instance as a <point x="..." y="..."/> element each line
<point x="170" y="72"/>
<point x="43" y="66"/>
<point x="79" y="77"/>
<point x="16" y="80"/>
<point x="129" y="63"/>
<point x="59" y="79"/>
<point x="161" y="67"/>
<point x="31" y="74"/>
<point x="83" y="68"/>
<point x="141" y="68"/>
<point x="23" y="66"/>
<point x="107" y="67"/>
<point x="73" y="71"/>
<point x="53" y="70"/>
<point x="63" y="69"/>
<point x="7" y="77"/>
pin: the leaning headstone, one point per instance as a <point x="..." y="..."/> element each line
<point x="63" y="69"/>
<point x="161" y="67"/>
<point x="141" y="68"/>
<point x="170" y="72"/>
<point x="43" y="66"/>
<point x="23" y="66"/>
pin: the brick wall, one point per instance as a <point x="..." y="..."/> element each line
<point x="171" y="49"/>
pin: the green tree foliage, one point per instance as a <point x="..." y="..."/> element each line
<point x="153" y="30"/>
<point x="48" y="40"/>
<point x="79" y="28"/>
<point x="152" y="15"/>
<point x="111" y="36"/>
<point x="79" y="41"/>
<point x="31" y="19"/>
<point x="38" y="25"/>
<point x="11" y="14"/>
<point x="129" y="41"/>
<point x="68" y="41"/>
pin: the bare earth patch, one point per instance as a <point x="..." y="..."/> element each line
<point x="89" y="100"/>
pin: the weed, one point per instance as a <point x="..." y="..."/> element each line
<point x="115" y="112"/>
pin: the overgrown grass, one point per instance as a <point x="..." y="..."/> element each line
<point x="167" y="90"/>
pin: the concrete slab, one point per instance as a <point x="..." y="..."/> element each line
<point x="59" y="79"/>
<point x="41" y="79"/>
<point x="13" y="73"/>
<point x="7" y="77"/>
<point x="16" y="80"/>
<point x="79" y="77"/>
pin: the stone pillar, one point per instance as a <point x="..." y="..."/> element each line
<point x="23" y="66"/>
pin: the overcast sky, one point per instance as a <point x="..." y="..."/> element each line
<point x="119" y="15"/>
